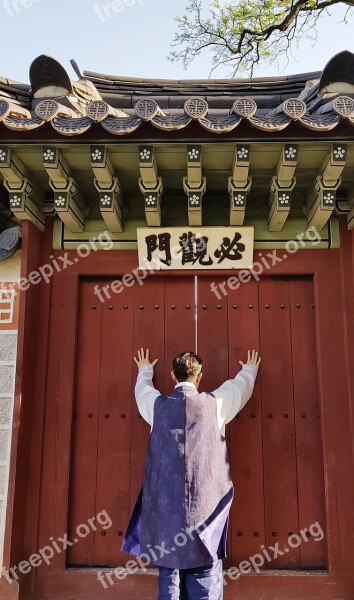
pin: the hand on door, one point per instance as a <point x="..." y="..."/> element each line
<point x="252" y="359"/>
<point x="144" y="359"/>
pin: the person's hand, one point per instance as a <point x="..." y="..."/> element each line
<point x="252" y="359"/>
<point x="144" y="360"/>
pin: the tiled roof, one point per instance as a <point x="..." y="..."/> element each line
<point x="316" y="101"/>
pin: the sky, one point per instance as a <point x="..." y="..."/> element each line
<point x="132" y="42"/>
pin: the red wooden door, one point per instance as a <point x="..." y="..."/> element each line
<point x="274" y="443"/>
<point x="109" y="437"/>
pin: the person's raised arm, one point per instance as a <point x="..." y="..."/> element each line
<point x="232" y="395"/>
<point x="145" y="392"/>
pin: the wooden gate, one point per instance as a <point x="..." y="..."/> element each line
<point x="274" y="443"/>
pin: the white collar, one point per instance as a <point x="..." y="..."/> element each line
<point x="189" y="383"/>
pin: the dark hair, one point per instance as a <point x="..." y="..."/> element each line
<point x="187" y="366"/>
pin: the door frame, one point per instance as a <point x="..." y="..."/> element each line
<point x="46" y="502"/>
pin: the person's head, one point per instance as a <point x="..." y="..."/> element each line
<point x="187" y="367"/>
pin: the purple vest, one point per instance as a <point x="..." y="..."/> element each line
<point x="181" y="517"/>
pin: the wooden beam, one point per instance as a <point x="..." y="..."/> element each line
<point x="148" y="167"/>
<point x="194" y="185"/>
<point x="26" y="198"/>
<point x="108" y="187"/>
<point x="151" y="185"/>
<point x="322" y="197"/>
<point x="238" y="199"/>
<point x="152" y="202"/>
<point x="241" y="166"/>
<point x="23" y="207"/>
<point x="282" y="185"/>
<point x="239" y="184"/>
<point x="323" y="205"/>
<point x="68" y="202"/>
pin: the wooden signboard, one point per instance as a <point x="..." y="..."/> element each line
<point x="195" y="248"/>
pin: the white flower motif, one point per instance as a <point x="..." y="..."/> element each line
<point x="194" y="153"/>
<point x="150" y="200"/>
<point x="242" y="152"/>
<point x="15" y="201"/>
<point x="194" y="199"/>
<point x="48" y="155"/>
<point x="339" y="152"/>
<point x="290" y="152"/>
<point x="96" y="154"/>
<point x="145" y="154"/>
<point x="328" y="198"/>
<point x="105" y="200"/>
<point x="60" y="201"/>
<point x="239" y="199"/>
<point x="2" y="155"/>
<point x="284" y="199"/>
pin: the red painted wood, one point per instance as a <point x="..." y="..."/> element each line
<point x="268" y="586"/>
<point x="212" y="336"/>
<point x="336" y="427"/>
<point x="59" y="402"/>
<point x="213" y="348"/>
<point x="22" y="413"/>
<point x="280" y="485"/>
<point x="179" y="321"/>
<point x="245" y="447"/>
<point x="310" y="475"/>
<point x="148" y="332"/>
<point x="113" y="473"/>
<point x="84" y="460"/>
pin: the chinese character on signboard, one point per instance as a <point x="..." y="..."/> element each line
<point x="196" y="248"/>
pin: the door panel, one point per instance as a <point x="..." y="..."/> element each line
<point x="274" y="443"/>
<point x="246" y="448"/>
<point x="279" y="450"/>
<point x="109" y="437"/>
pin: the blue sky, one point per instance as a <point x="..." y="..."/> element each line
<point x="132" y="42"/>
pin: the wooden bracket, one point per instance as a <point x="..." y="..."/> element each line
<point x="148" y="168"/>
<point x="68" y="202"/>
<point x="238" y="198"/>
<point x="241" y="166"/>
<point x="195" y="201"/>
<point x="108" y="187"/>
<point x="21" y="204"/>
<point x="26" y="198"/>
<point x="152" y="200"/>
<point x="194" y="166"/>
<point x="323" y="205"/>
<point x="279" y="203"/>
<point x="322" y="197"/>
<point x="110" y="205"/>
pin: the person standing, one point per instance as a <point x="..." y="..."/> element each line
<point x="181" y="516"/>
